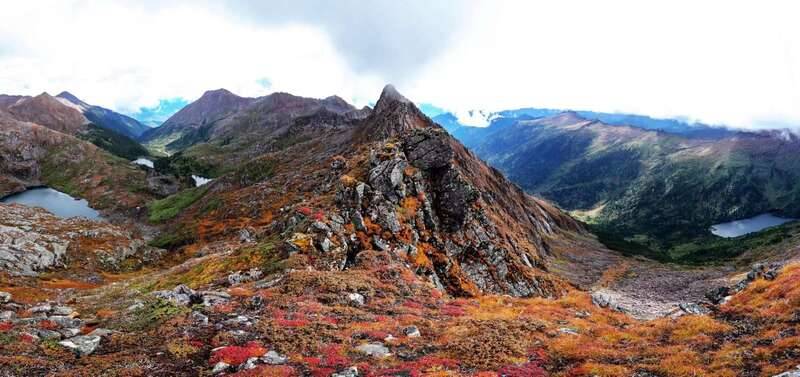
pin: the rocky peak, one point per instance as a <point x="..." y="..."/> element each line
<point x="393" y="115"/>
<point x="466" y="227"/>
<point x="50" y="112"/>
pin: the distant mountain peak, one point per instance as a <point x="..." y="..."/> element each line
<point x="221" y="92"/>
<point x="393" y="115"/>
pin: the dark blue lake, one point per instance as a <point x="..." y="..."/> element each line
<point x="59" y="203"/>
<point x="746" y="226"/>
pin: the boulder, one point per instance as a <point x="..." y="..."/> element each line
<point x="376" y="350"/>
<point x="349" y="372"/>
<point x="4" y="297"/>
<point x="274" y="358"/>
<point x="82" y="345"/>
<point x="356" y="299"/>
<point x="412" y="332"/>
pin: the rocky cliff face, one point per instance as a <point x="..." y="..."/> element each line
<point x="425" y="195"/>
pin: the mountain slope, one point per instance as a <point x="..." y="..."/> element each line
<point x="632" y="181"/>
<point x="391" y="181"/>
<point x="32" y="155"/>
<point x="48" y="111"/>
<point x="121" y="124"/>
<point x="212" y="106"/>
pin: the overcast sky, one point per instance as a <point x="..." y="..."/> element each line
<point x="731" y="62"/>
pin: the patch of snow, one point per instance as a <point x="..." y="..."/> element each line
<point x="66" y="102"/>
<point x="199" y="181"/>
<point x="144" y="162"/>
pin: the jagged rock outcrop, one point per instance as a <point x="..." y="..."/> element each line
<point x="423" y="195"/>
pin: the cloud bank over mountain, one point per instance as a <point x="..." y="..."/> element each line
<point x="729" y="63"/>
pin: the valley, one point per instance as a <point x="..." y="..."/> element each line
<point x="291" y="236"/>
<point x="652" y="190"/>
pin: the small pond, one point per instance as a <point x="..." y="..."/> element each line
<point x="746" y="226"/>
<point x="59" y="203"/>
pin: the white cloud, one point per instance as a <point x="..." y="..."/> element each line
<point x="716" y="61"/>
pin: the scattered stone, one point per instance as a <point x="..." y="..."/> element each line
<point x="136" y="306"/>
<point x="274" y="358"/>
<point x="7" y="315"/>
<point x="199" y="318"/>
<point x="82" y="345"/>
<point x="66" y="322"/>
<point x="716" y="296"/>
<point x="4" y="297"/>
<point x="220" y="367"/>
<point x="43" y="308"/>
<point x="568" y="331"/>
<point x="249" y="364"/>
<point x="325" y="245"/>
<point x="356" y="299"/>
<point x="181" y="295"/>
<point x="605" y="300"/>
<point x="240" y="277"/>
<point x="412" y="332"/>
<point x="211" y="298"/>
<point x="69" y="333"/>
<point x="245" y="236"/>
<point x="377" y="350"/>
<point x="349" y="372"/>
<point x="48" y="334"/>
<point x="62" y="310"/>
<point x="101" y="332"/>
<point x="791" y="373"/>
<point x="693" y="308"/>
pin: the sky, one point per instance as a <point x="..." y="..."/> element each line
<point x="719" y="62"/>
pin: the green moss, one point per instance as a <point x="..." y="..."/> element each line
<point x="169" y="240"/>
<point x="153" y="314"/>
<point x="171" y="206"/>
<point x="254" y="171"/>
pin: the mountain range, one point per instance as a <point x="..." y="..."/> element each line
<point x="660" y="189"/>
<point x="338" y="241"/>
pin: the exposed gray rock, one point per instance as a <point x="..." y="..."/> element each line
<point x="349" y="372"/>
<point x="376" y="350"/>
<point x="568" y="331"/>
<point x="48" y="334"/>
<point x="62" y="310"/>
<point x="274" y="358"/>
<point x="7" y="315"/>
<point x="199" y="318"/>
<point x="220" y="367"/>
<point x="65" y="321"/>
<point x="249" y="364"/>
<point x="82" y="345"/>
<point x="693" y="308"/>
<point x="791" y="373"/>
<point x="412" y="332"/>
<point x="4" y="297"/>
<point x="43" y="308"/>
<point x="356" y="299"/>
<point x="70" y="332"/>
<point x="101" y="332"/>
